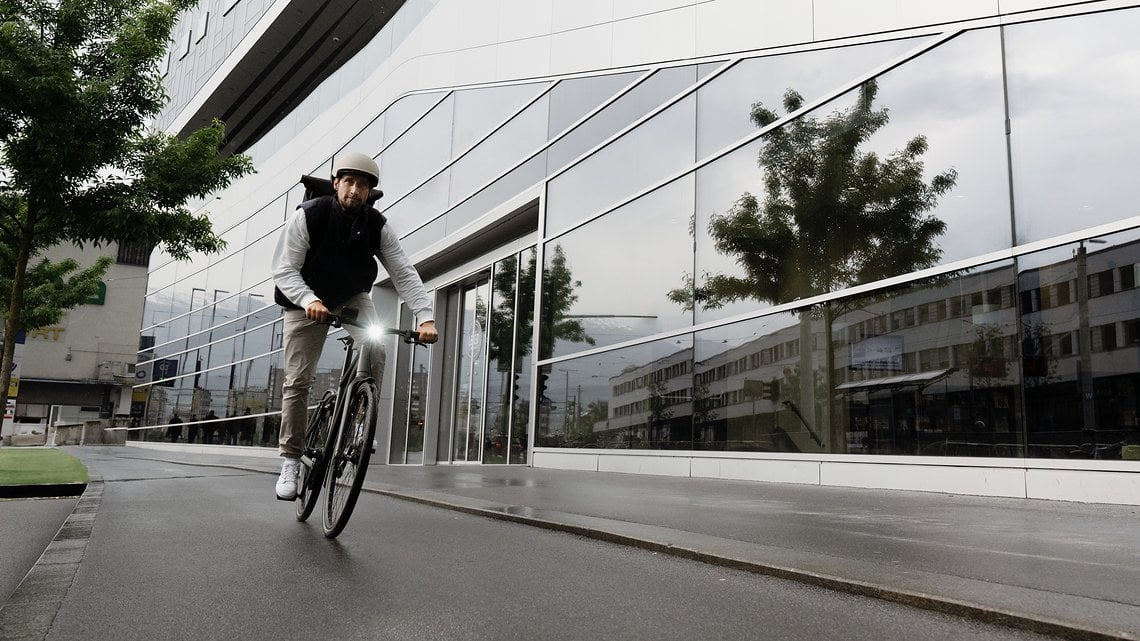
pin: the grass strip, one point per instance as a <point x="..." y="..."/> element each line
<point x="39" y="466"/>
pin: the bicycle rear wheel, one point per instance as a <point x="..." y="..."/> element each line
<point x="349" y="460"/>
<point x="313" y="457"/>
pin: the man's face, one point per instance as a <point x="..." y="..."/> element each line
<point x="352" y="190"/>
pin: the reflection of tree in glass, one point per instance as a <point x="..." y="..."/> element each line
<point x="833" y="216"/>
<point x="518" y="301"/>
<point x="558" y="297"/>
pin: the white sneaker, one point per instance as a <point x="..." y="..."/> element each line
<point x="287" y="482"/>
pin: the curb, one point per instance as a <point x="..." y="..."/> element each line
<point x="32" y="608"/>
<point x="41" y="490"/>
<point x="946" y="605"/>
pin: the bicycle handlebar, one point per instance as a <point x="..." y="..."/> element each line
<point x="409" y="336"/>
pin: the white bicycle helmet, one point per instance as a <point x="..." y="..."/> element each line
<point x="356" y="162"/>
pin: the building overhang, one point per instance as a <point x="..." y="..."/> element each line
<point x="303" y="46"/>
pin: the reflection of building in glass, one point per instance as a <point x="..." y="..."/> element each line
<point x="929" y="371"/>
<point x="583" y="197"/>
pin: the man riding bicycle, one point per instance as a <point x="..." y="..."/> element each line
<point x="325" y="262"/>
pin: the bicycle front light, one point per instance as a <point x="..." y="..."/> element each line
<point x="375" y="332"/>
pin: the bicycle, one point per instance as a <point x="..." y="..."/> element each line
<point x="340" y="434"/>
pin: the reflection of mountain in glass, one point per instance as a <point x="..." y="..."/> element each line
<point x="832" y="216"/>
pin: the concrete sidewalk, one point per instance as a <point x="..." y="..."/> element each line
<point x="1066" y="569"/>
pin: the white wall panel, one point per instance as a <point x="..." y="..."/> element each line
<point x="565" y="461"/>
<point x="630" y="8"/>
<point x="773" y="471"/>
<point x="523" y="18"/>
<point x="978" y="481"/>
<point x="843" y="18"/>
<point x="440" y="31"/>
<point x="657" y="465"/>
<point x="1086" y="486"/>
<point x="582" y="49"/>
<point x="1012" y="6"/>
<point x="668" y="35"/>
<point x="575" y="14"/>
<point x="523" y="58"/>
<point x="742" y="25"/>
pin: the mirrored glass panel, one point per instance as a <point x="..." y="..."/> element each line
<point x="500" y="353"/>
<point x="516" y="181"/>
<point x="1080" y="340"/>
<point x="402" y="114"/>
<point x="904" y="173"/>
<point x="417" y="156"/>
<point x="519" y="443"/>
<point x="370" y="140"/>
<point x="587" y="298"/>
<point x="724" y="105"/>
<point x="633" y="398"/>
<point x="479" y="111"/>
<point x="643" y="98"/>
<point x="519" y="138"/>
<point x="575" y="97"/>
<point x="425" y="203"/>
<point x="649" y="153"/>
<point x="932" y="369"/>
<point x="1074" y="139"/>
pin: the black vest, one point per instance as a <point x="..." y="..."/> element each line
<point x="341" y="260"/>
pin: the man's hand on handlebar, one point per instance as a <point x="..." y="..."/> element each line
<point x="427" y="332"/>
<point x="316" y="311"/>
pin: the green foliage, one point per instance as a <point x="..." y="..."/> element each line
<point x="78" y="161"/>
<point x="832" y="216"/>
<point x="50" y="288"/>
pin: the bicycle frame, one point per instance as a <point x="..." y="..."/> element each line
<point x="340" y="439"/>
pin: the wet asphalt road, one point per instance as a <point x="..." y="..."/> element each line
<point x="26" y="528"/>
<point x="189" y="552"/>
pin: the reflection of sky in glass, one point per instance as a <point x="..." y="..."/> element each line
<point x="952" y="95"/>
<point x="1074" y="93"/>
<point x="645" y="240"/>
<point x="724" y="105"/>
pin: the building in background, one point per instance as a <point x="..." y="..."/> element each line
<point x="878" y="246"/>
<point x="83" y="368"/>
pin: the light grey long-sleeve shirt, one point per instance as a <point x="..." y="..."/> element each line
<point x="289" y="257"/>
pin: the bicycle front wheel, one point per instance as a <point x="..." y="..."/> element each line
<point x="348" y="462"/>
<point x="313" y="457"/>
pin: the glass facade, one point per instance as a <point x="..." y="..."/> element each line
<point x="913" y="246"/>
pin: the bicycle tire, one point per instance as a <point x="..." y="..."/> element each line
<point x="349" y="460"/>
<point x="309" y="480"/>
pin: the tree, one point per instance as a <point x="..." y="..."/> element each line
<point x="833" y="216"/>
<point x="78" y="161"/>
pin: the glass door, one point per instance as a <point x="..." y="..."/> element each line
<point x="471" y="372"/>
<point x="486" y="364"/>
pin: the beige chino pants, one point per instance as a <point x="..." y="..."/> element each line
<point x="304" y="340"/>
